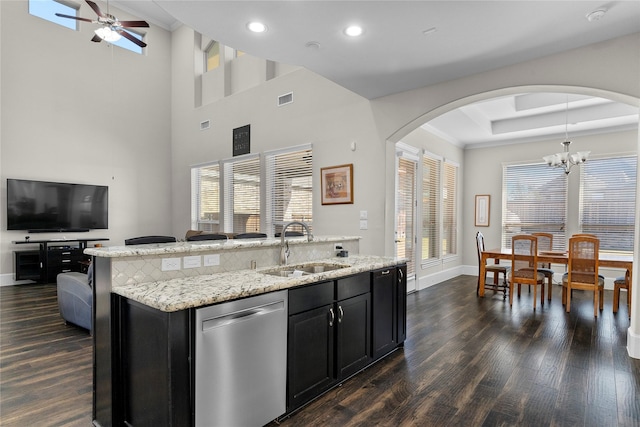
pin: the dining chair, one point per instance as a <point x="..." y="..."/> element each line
<point x="545" y="243"/>
<point x="582" y="271"/>
<point x="496" y="269"/>
<point x="618" y="284"/>
<point x="524" y="255"/>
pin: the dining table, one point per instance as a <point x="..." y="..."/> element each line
<point x="605" y="259"/>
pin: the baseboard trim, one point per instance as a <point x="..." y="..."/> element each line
<point x="633" y="344"/>
<point x="7" y="280"/>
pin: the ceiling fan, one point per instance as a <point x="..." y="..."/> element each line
<point x="111" y="28"/>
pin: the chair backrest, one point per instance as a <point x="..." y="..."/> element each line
<point x="250" y="236"/>
<point x="583" y="259"/>
<point x="145" y="240"/>
<point x="524" y="255"/>
<point x="206" y="236"/>
<point x="545" y="241"/>
<point x="479" y="245"/>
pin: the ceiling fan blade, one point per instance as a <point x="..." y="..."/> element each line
<point x="95" y="8"/>
<point x="73" y="17"/>
<point x="134" y="24"/>
<point x="96" y="39"/>
<point x="125" y="34"/>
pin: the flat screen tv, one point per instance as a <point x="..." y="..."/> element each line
<point x="40" y="206"/>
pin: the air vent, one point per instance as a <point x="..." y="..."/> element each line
<point x="285" y="99"/>
<point x="205" y="125"/>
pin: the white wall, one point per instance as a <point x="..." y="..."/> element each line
<point x="77" y="111"/>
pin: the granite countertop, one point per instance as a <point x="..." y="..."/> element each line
<point x="189" y="292"/>
<point x="205" y="245"/>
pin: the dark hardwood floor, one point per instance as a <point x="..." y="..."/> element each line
<point x="467" y="362"/>
<point x="45" y="365"/>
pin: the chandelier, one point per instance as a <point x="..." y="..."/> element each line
<point x="565" y="160"/>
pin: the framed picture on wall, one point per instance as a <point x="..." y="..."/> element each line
<point x="482" y="210"/>
<point x="337" y="184"/>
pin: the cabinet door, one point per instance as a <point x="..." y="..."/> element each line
<point x="27" y="265"/>
<point x="385" y="331"/>
<point x="310" y="363"/>
<point x="354" y="331"/>
<point x="401" y="313"/>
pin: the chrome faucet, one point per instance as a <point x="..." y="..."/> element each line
<point x="284" y="245"/>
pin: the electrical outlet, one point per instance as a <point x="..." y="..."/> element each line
<point x="170" y="264"/>
<point x="194" y="261"/>
<point x="211" y="260"/>
<point x="337" y="246"/>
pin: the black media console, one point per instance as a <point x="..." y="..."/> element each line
<point x="53" y="257"/>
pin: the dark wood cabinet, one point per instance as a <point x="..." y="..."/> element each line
<point x="63" y="260"/>
<point x="154" y="365"/>
<point x="329" y="336"/>
<point x="27" y="265"/>
<point x="353" y="335"/>
<point x="389" y="324"/>
<point x="52" y="258"/>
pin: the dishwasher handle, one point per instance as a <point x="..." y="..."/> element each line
<point x="240" y="316"/>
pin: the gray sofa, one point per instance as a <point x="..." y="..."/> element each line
<point x="75" y="298"/>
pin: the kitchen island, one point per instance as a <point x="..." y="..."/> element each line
<point x="150" y="324"/>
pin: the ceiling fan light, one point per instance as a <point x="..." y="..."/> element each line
<point x="107" y="34"/>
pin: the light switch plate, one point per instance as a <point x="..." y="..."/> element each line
<point x="170" y="264"/>
<point x="211" y="260"/>
<point x="193" y="261"/>
<point x="364" y="224"/>
<point x="364" y="215"/>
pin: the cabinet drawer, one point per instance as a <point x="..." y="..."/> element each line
<point x="309" y="297"/>
<point x="353" y="286"/>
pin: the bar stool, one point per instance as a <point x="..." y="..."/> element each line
<point x="621" y="283"/>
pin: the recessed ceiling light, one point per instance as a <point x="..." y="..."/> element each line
<point x="353" y="31"/>
<point x="256" y="27"/>
<point x="596" y="15"/>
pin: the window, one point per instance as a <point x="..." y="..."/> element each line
<point x="449" y="209"/>
<point x="534" y="200"/>
<point x="231" y="197"/>
<point x="47" y="9"/>
<point x="430" y="206"/>
<point x="206" y="197"/>
<point x="242" y="195"/>
<point x="212" y="56"/>
<point x="289" y="176"/>
<point x="607" y="201"/>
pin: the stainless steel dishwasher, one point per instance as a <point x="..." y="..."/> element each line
<point x="241" y="361"/>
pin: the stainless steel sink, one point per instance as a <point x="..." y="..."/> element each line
<point x="303" y="269"/>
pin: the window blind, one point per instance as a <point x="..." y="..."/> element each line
<point x="607" y="201"/>
<point x="449" y="209"/>
<point x="289" y="189"/>
<point x="430" y="206"/>
<point x="242" y="195"/>
<point x="406" y="196"/>
<point x="534" y="200"/>
<point x="205" y="184"/>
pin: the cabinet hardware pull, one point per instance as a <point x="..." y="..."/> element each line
<point x="386" y="272"/>
<point x="400" y="275"/>
<point x="340" y="314"/>
<point x="332" y="318"/>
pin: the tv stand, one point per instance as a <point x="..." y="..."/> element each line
<point x="54" y="256"/>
